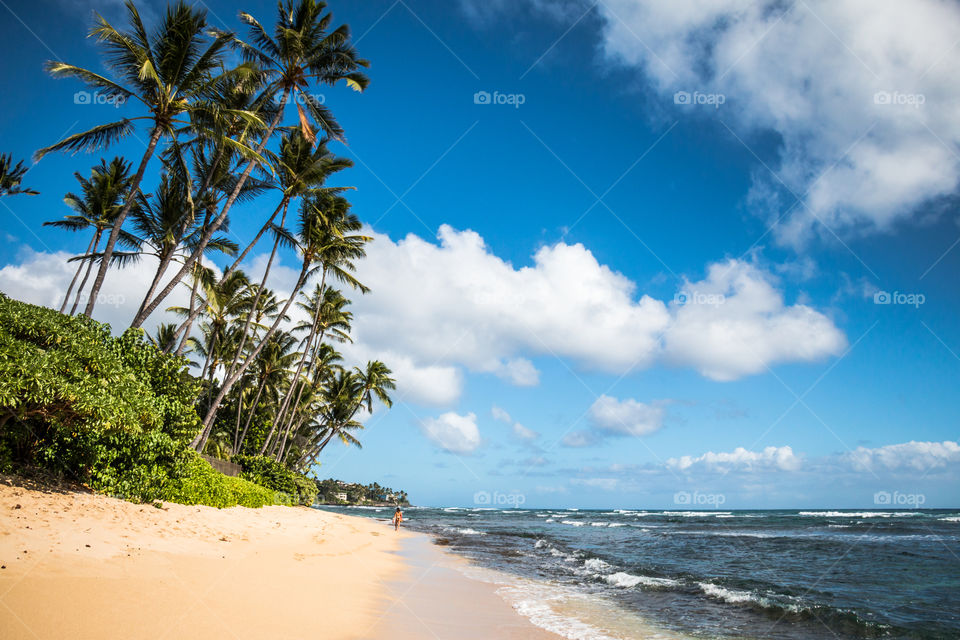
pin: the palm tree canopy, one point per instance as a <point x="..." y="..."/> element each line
<point x="11" y="176"/>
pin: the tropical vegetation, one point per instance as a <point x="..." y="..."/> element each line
<point x="243" y="372"/>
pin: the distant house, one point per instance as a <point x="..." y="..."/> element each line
<point x="342" y="497"/>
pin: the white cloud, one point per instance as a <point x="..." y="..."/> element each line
<point x="520" y="372"/>
<point x="453" y="432"/>
<point x="625" y="417"/>
<point x="771" y="458"/>
<point x="920" y="456"/>
<point x="523" y="433"/>
<point x="810" y="71"/>
<point x="436" y="310"/>
<point x="457" y="304"/>
<point x="42" y="278"/>
<point x="582" y="438"/>
<point x="735" y="323"/>
<point x="518" y="429"/>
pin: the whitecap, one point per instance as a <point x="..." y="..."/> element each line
<point x="595" y="565"/>
<point x="628" y="580"/>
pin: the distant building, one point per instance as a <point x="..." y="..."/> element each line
<point x="342" y="497"/>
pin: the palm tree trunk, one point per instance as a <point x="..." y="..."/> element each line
<point x="208" y="233"/>
<point x="293" y="428"/>
<point x="185" y="325"/>
<point x="192" y="315"/>
<point x="204" y="434"/>
<point x="282" y="413"/>
<point x="115" y="231"/>
<point x="66" y="297"/>
<point x="96" y="243"/>
<point x="263" y="284"/>
<point x="253" y="411"/>
<point x="161" y="268"/>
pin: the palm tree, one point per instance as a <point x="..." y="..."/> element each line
<point x="11" y="176"/>
<point x="302" y="171"/>
<point x="164" y="336"/>
<point x="100" y="201"/>
<point x="271" y="372"/>
<point x="330" y="225"/>
<point x="348" y="392"/>
<point x="322" y="246"/>
<point x="166" y="225"/>
<point x="311" y="393"/>
<point x="222" y="302"/>
<point x="302" y="52"/>
<point x="168" y="73"/>
<point x="325" y="310"/>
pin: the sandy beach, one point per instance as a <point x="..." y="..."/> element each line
<point x="80" y="565"/>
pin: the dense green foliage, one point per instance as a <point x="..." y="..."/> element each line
<point x="267" y="472"/>
<point x="123" y="414"/>
<point x="201" y="484"/>
<point x="114" y="413"/>
<point x="359" y="493"/>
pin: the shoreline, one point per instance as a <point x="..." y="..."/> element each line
<point x="84" y="565"/>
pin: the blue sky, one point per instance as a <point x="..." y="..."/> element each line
<point x="675" y="298"/>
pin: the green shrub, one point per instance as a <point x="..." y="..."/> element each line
<point x="269" y="473"/>
<point x="199" y="483"/>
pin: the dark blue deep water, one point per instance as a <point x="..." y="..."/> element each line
<point x="729" y="574"/>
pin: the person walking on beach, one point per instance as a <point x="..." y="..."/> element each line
<point x="397" y="519"/>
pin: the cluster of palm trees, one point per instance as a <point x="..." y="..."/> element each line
<point x="219" y="135"/>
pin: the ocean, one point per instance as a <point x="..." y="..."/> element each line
<point x="812" y="574"/>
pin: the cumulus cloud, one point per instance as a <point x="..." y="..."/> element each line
<point x="438" y="309"/>
<point x="625" y="417"/>
<point x="860" y="92"/>
<point x="918" y="456"/>
<point x="456" y="303"/>
<point x="453" y="432"/>
<point x="734" y="323"/>
<point x="740" y="459"/>
<point x="42" y="278"/>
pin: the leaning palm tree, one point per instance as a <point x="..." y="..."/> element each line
<point x="168" y="74"/>
<point x="347" y="393"/>
<point x="303" y="52"/>
<point x="11" y="177"/>
<point x="222" y="301"/>
<point x="325" y="312"/>
<point x="271" y="372"/>
<point x="302" y="170"/>
<point x="96" y="207"/>
<point x="166" y="226"/>
<point x="332" y="229"/>
<point x="315" y="240"/>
